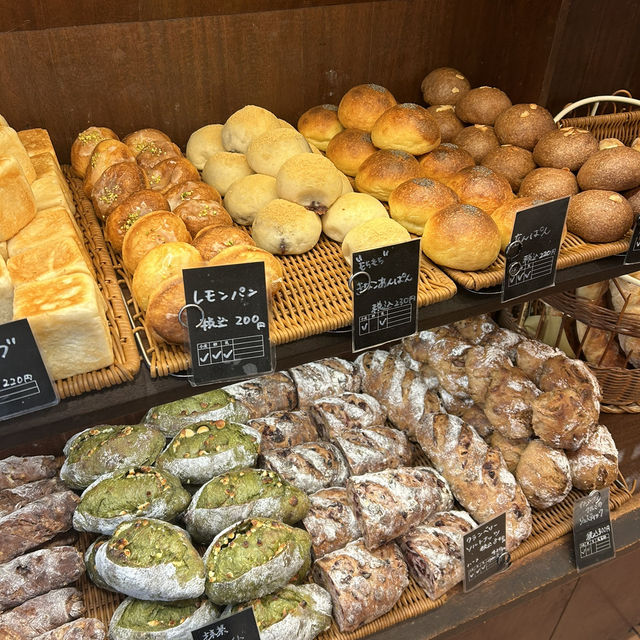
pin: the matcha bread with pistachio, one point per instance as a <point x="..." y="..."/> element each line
<point x="151" y="560"/>
<point x="125" y="495"/>
<point x="90" y="563"/>
<point x="207" y="449"/>
<point x="149" y="620"/>
<point x="242" y="494"/>
<point x="253" y="558"/>
<point x="105" y="448"/>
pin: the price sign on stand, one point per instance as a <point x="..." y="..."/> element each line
<point x="484" y="551"/>
<point x="592" y="532"/>
<point x="633" y="252"/>
<point x="239" y="626"/>
<point x="385" y="294"/>
<point x="227" y="316"/>
<point x="532" y="254"/>
<point x="25" y="384"/>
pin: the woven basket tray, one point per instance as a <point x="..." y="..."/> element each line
<point x="625" y="126"/>
<point x="126" y="357"/>
<point x="315" y="297"/>
<point x="548" y="526"/>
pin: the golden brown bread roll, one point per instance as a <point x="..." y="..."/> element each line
<point x="522" y="125"/>
<point x="84" y="144"/>
<point x="565" y="148"/>
<point x="363" y="104"/>
<point x="162" y="312"/>
<point x="153" y="153"/>
<point x="448" y="122"/>
<point x="547" y="183"/>
<point x="191" y="190"/>
<point x="348" y="211"/>
<point x="444" y="162"/>
<point x="244" y="125"/>
<point x="614" y="169"/>
<point x="477" y="140"/>
<point x="384" y="170"/>
<point x="139" y="140"/>
<point x="633" y="198"/>
<point x="198" y="214"/>
<point x="514" y="163"/>
<point x="203" y="143"/>
<point x="149" y="231"/>
<point x="406" y="127"/>
<point x="115" y="185"/>
<point x="444" y="85"/>
<point x="505" y="216"/>
<point x="482" y="105"/>
<point x="168" y="173"/>
<point x="320" y="124"/>
<point x="213" y="239"/>
<point x="461" y="237"/>
<point x="271" y="149"/>
<point x="125" y="214"/>
<point x="374" y="233"/>
<point x="105" y="153"/>
<point x="481" y="187"/>
<point x="599" y="216"/>
<point x="349" y="149"/>
<point x="415" y="200"/>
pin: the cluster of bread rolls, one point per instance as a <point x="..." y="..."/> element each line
<point x="47" y="277"/>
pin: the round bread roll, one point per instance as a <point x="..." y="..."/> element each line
<point x="161" y="262"/>
<point x="609" y="143"/>
<point x="204" y="142"/>
<point x="170" y="172"/>
<point x="599" y="216"/>
<point x="84" y="144"/>
<point x="211" y="240"/>
<point x="115" y="185"/>
<point x="514" y="163"/>
<point x="564" y="148"/>
<point x="481" y="187"/>
<point x="153" y="153"/>
<point x="406" y="127"/>
<point x="595" y="464"/>
<point x="614" y="169"/>
<point x="444" y="162"/>
<point x="415" y="200"/>
<point x="505" y="216"/>
<point x="269" y="151"/>
<point x="349" y="211"/>
<point x="139" y="140"/>
<point x="222" y="169"/>
<point x="477" y="140"/>
<point x="198" y="214"/>
<point x="461" y="236"/>
<point x="246" y="196"/>
<point x="309" y="180"/>
<point x="374" y="233"/>
<point x="511" y="450"/>
<point x="320" y="124"/>
<point x="347" y="184"/>
<point x="482" y="105"/>
<point x="105" y="153"/>
<point x="544" y="475"/>
<point x="286" y="125"/>
<point x="448" y="122"/>
<point x="522" y="125"/>
<point x="149" y="231"/>
<point x="444" y="85"/>
<point x="125" y="214"/>
<point x="362" y="105"/>
<point x="349" y="149"/>
<point x="282" y="227"/>
<point x="238" y="254"/>
<point x="546" y="183"/>
<point x="246" y="124"/>
<point x="385" y="170"/>
<point x="191" y="190"/>
<point x="633" y="198"/>
<point x="162" y="312"/>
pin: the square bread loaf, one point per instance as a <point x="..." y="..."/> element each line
<point x="47" y="164"/>
<point x="48" y="192"/>
<point x="47" y="224"/>
<point x="49" y="259"/>
<point x="36" y="141"/>
<point x="6" y="294"/>
<point x="68" y="320"/>
<point x="17" y="204"/>
<point x="10" y="145"/>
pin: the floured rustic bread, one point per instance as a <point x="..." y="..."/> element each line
<point x="480" y="364"/>
<point x="511" y="450"/>
<point x="81" y="629"/>
<point x="90" y="564"/>
<point x="531" y="356"/>
<point x="329" y="376"/>
<point x="283" y="429"/>
<point x="363" y="584"/>
<point x="12" y="499"/>
<point x="334" y="414"/>
<point x="16" y="470"/>
<point x="260" y="396"/>
<point x="476" y="328"/>
<point x="595" y="464"/>
<point x="48" y="224"/>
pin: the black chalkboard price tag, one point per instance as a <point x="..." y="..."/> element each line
<point x="592" y="532"/>
<point x="532" y="254"/>
<point x="238" y="626"/>
<point x="25" y="384"/>
<point x="385" y="294"/>
<point x="227" y="314"/>
<point x="633" y="252"/>
<point x="485" y="552"/>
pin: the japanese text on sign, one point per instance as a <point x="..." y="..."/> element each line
<point x="484" y="551"/>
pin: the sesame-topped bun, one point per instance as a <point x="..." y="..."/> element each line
<point x="414" y="201"/>
<point x="461" y="236"/>
<point x="523" y="125"/>
<point x="363" y="104"/>
<point x="348" y="211"/>
<point x="448" y="122"/>
<point x="246" y="124"/>
<point x="514" y="163"/>
<point x="349" y="149"/>
<point x="481" y="187"/>
<point x="384" y="170"/>
<point x="406" y="127"/>
<point x="211" y="240"/>
<point x="286" y="228"/>
<point x="444" y="85"/>
<point x="565" y="148"/>
<point x="320" y="124"/>
<point x="616" y="168"/>
<point x="505" y="216"/>
<point x="222" y="169"/>
<point x="85" y="143"/>
<point x="378" y="232"/>
<point x="445" y="161"/>
<point x="599" y="216"/>
<point x="271" y="149"/>
<point x="482" y="105"/>
<point x="245" y="197"/>
<point x="546" y="183"/>
<point x="477" y="140"/>
<point x="202" y="143"/>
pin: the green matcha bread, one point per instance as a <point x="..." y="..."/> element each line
<point x="90" y="563"/>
